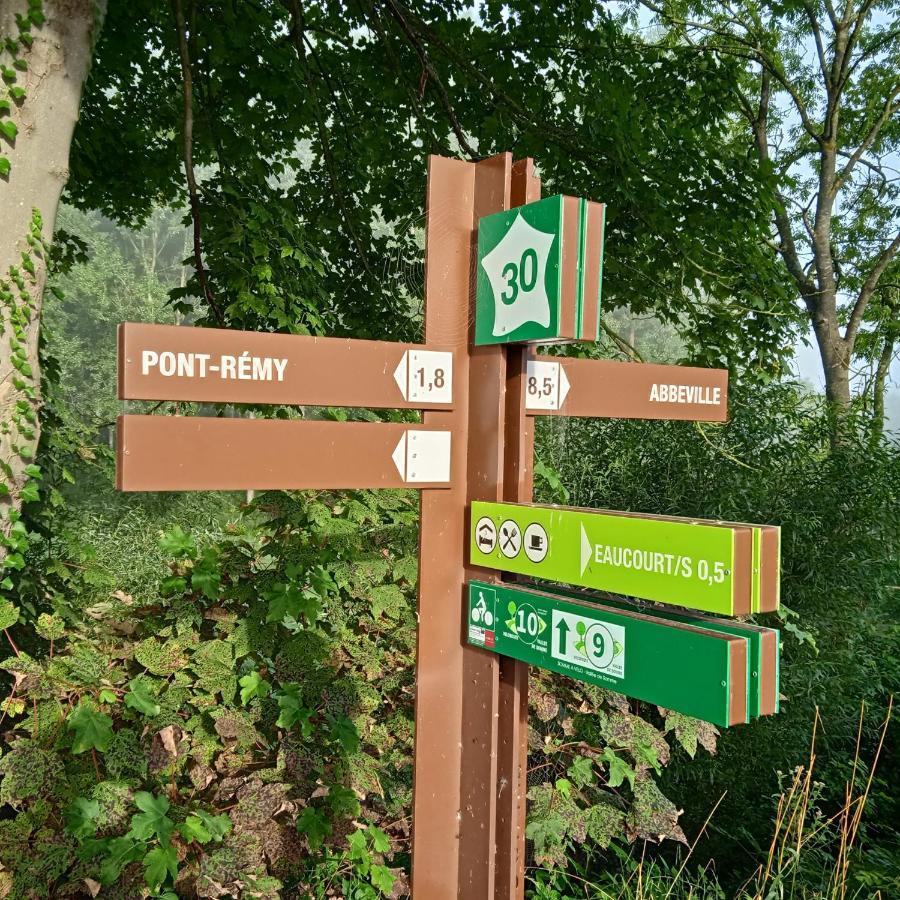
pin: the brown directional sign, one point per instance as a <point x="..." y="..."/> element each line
<point x="602" y="388"/>
<point x="213" y="365"/>
<point x="181" y="453"/>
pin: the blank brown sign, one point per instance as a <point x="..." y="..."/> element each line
<point x="214" y="365"/>
<point x="181" y="453"/>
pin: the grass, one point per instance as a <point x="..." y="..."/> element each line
<point x="813" y="854"/>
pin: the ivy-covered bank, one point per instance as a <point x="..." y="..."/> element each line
<point x="245" y="729"/>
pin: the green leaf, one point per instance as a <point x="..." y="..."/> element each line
<point x="381" y="843"/>
<point x="51" y="628"/>
<point x="5" y="166"/>
<point x="343" y="801"/>
<point x="93" y="729"/>
<point x="292" y="602"/>
<point x="139" y="697"/>
<point x="108" y="696"/>
<point x="549" y="830"/>
<point x="14" y="561"/>
<point x="205" y="577"/>
<point x="344" y="732"/>
<point x="173" y="584"/>
<point x="253" y="685"/>
<point x="292" y="710"/>
<point x="203" y="827"/>
<point x="356" y="841"/>
<point x="582" y="771"/>
<point x="81" y="817"/>
<point x="315" y="825"/>
<point x="152" y="821"/>
<point x="159" y="864"/>
<point x="564" y="786"/>
<point x="382" y="879"/>
<point x="177" y="543"/>
<point x="9" y="614"/>
<point x="30" y="493"/>
<point x="122" y="851"/>
<point x="193" y="829"/>
<point x="17" y="93"/>
<point x="9" y="129"/>
<point x="218" y="826"/>
<point x="619" y="770"/>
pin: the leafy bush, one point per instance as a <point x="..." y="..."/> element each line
<point x="840" y="518"/>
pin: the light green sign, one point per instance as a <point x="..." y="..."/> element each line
<point x="681" y="563"/>
<point x="694" y="671"/>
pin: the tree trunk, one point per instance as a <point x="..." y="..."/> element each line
<point x="834" y="352"/>
<point x="36" y="135"/>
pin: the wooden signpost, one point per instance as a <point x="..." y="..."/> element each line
<point x="534" y="274"/>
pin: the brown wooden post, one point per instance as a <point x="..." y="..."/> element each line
<point x="454" y="803"/>
<point x="512" y="741"/>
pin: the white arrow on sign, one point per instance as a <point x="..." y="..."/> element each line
<point x="587" y="550"/>
<point x="425" y="375"/>
<point x="423" y="456"/>
<point x="546" y="385"/>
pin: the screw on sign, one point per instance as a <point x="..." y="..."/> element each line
<point x="536" y="276"/>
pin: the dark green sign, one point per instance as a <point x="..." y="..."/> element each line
<point x="540" y="272"/>
<point x="695" y="671"/>
<point x="763" y="644"/>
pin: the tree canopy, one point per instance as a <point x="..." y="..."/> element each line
<point x="311" y="124"/>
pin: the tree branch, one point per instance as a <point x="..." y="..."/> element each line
<point x="817" y="34"/>
<point x="427" y="66"/>
<point x="188" y="151"/>
<point x="869" y="286"/>
<point x="754" y="52"/>
<point x="889" y="109"/>
<point x="788" y="247"/>
<point x="623" y="346"/>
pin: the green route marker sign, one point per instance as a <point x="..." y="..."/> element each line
<point x="540" y="269"/>
<point x="764" y="644"/>
<point x="701" y="566"/>
<point x="695" y="671"/>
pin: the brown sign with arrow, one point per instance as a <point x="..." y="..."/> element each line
<point x="603" y="388"/>
<point x="195" y="453"/>
<point x="214" y="365"/>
